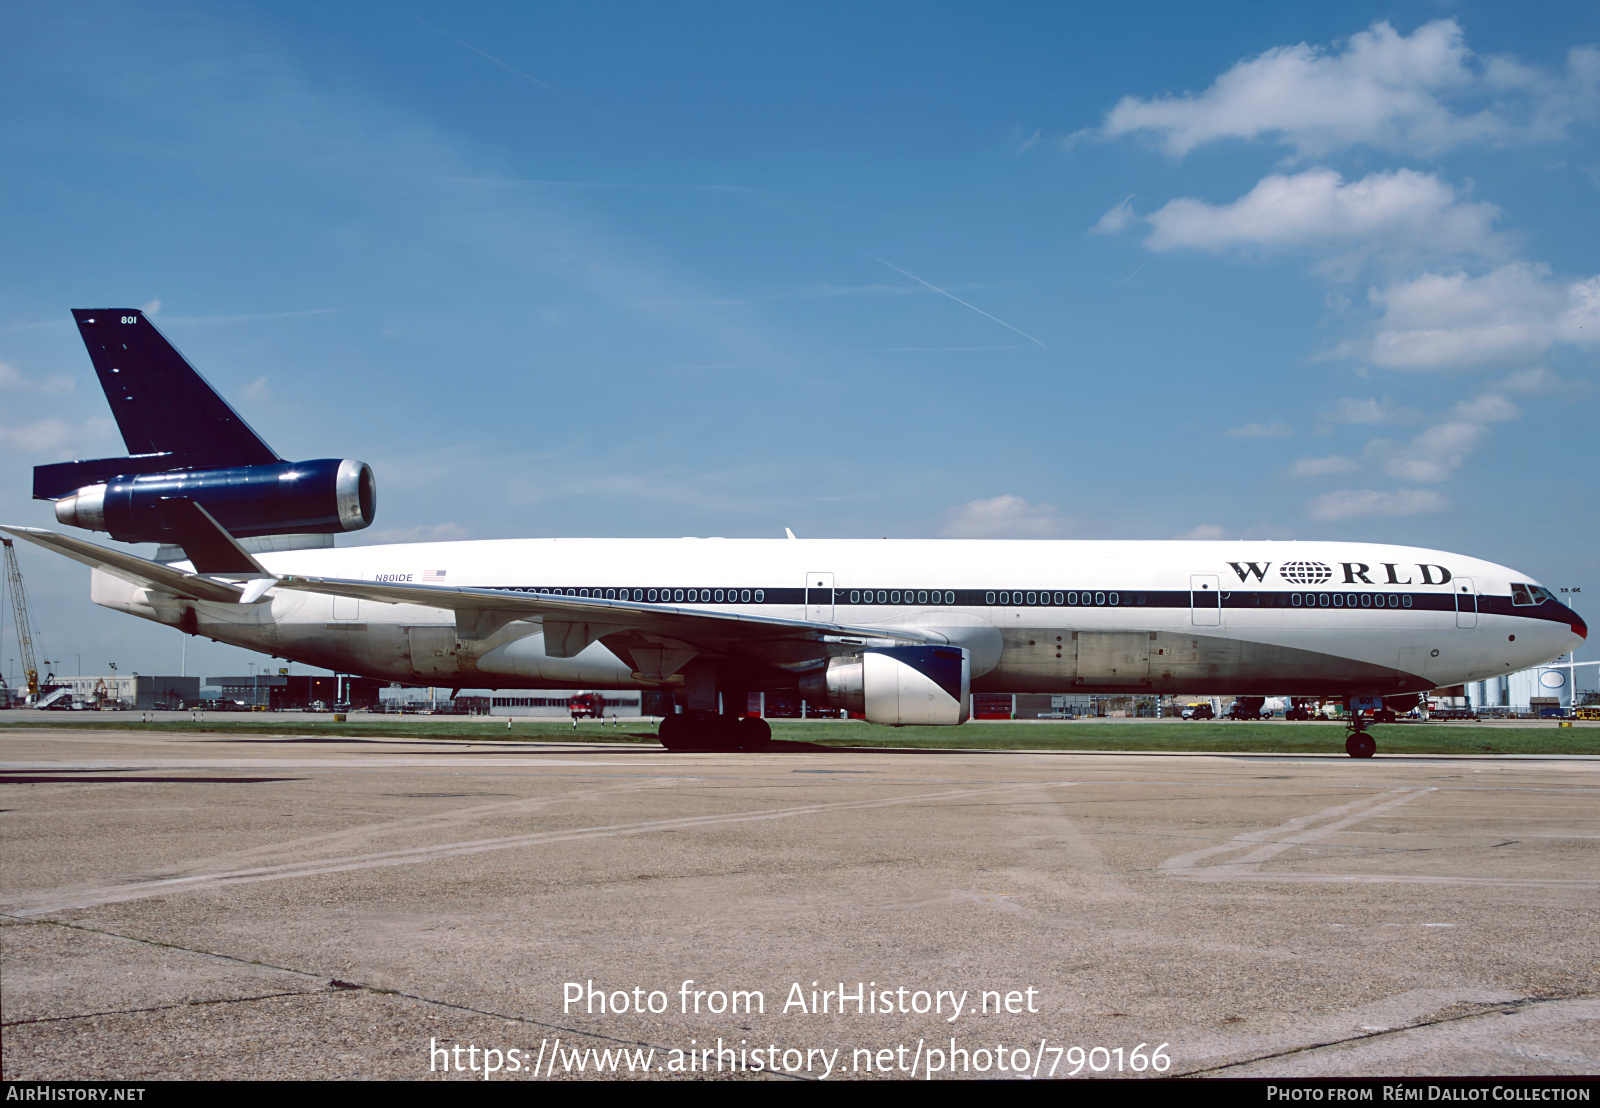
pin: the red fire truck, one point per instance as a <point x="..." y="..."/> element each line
<point x="589" y="705"/>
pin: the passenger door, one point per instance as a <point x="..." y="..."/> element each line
<point x="1466" y="602"/>
<point x="1205" y="600"/>
<point x="819" y="597"/>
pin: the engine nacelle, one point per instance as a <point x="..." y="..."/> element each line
<point x="321" y="497"/>
<point x="901" y="686"/>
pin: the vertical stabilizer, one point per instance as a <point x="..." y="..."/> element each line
<point x="162" y="406"/>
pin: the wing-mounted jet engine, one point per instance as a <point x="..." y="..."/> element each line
<point x="186" y="444"/>
<point x="900" y="686"/>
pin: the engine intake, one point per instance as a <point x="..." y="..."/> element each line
<point x="901" y="686"/>
<point x="321" y="497"/>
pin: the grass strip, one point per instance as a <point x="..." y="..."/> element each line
<point x="1265" y="738"/>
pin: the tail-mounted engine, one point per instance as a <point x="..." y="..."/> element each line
<point x="326" y="496"/>
<point x="185" y="443"/>
<point x="927" y="686"/>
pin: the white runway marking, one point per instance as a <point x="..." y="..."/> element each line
<point x="1264" y="845"/>
<point x="115" y="892"/>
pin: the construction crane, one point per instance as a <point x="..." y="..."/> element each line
<point x="19" y="609"/>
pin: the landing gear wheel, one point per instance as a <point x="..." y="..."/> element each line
<point x="752" y="733"/>
<point x="674" y="733"/>
<point x="1360" y="745"/>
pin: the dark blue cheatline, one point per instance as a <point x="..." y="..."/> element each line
<point x="1325" y="600"/>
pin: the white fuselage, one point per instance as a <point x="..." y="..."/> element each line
<point x="1270" y="618"/>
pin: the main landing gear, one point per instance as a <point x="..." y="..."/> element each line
<point x="702" y="726"/>
<point x="702" y="730"/>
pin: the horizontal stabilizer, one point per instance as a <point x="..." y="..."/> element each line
<point x="210" y="548"/>
<point x="52" y="482"/>
<point x="129" y="567"/>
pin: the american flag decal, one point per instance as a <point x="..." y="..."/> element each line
<point x="433" y="575"/>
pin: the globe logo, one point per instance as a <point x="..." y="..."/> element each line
<point x="1305" y="573"/>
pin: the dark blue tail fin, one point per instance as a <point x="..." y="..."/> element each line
<point x="161" y="404"/>
<point x="167" y="413"/>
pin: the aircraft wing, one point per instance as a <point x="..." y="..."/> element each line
<point x="571" y="623"/>
<point x="130" y="567"/>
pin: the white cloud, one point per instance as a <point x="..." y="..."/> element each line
<point x="1205" y="531"/>
<point x="1419" y="93"/>
<point x="1322" y="467"/>
<point x="1260" y="431"/>
<point x="1488" y="408"/>
<point x="1510" y="316"/>
<point x="1354" y="503"/>
<point x="1534" y="379"/>
<point x="1434" y="454"/>
<point x="1371" y="411"/>
<point x="56" y="436"/>
<point x="1117" y="219"/>
<point x="1004" y="517"/>
<point x="1403" y="211"/>
<point x="1442" y="449"/>
<point x="12" y="378"/>
<point x="151" y="308"/>
<point x="438" y="532"/>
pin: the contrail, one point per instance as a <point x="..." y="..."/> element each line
<point x="481" y="53"/>
<point x="963" y="303"/>
<point x="465" y="45"/>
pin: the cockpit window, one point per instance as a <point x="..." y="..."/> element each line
<point x="1541" y="594"/>
<point x="1521" y="595"/>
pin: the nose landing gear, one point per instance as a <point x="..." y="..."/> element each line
<point x="1359" y="743"/>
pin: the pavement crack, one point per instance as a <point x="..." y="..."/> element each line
<point x="333" y="985"/>
<point x="156" y="1008"/>
<point x="1504" y="1008"/>
<point x="159" y="943"/>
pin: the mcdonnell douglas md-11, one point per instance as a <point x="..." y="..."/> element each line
<point x="901" y="632"/>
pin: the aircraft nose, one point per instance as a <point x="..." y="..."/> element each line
<point x="1579" y="628"/>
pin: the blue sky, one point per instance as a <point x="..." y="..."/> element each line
<point x="907" y="270"/>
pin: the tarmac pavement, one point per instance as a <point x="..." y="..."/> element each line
<point x="179" y="905"/>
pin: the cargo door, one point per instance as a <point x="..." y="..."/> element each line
<point x="1113" y="658"/>
<point x="348" y="607"/>
<point x="1413" y="663"/>
<point x="819" y="597"/>
<point x="1205" y="600"/>
<point x="433" y="650"/>
<point x="1466" y="602"/>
